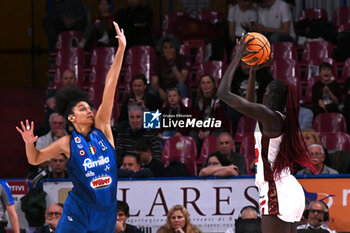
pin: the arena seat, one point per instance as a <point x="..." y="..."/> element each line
<point x="283" y="68"/>
<point x="307" y="98"/>
<point x="247" y="149"/>
<point x="341" y="16"/>
<point x="313" y="14"/>
<point x="65" y="39"/>
<point x="336" y="141"/>
<point x="329" y="122"/>
<point x="245" y="126"/>
<point x="346" y="71"/>
<point x="138" y="59"/>
<point x="69" y="58"/>
<point x="182" y="149"/>
<point x="316" y="50"/>
<point x="214" y="68"/>
<point x="284" y="50"/>
<point x="194" y="49"/>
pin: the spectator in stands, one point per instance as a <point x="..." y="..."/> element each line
<point x="100" y="28"/>
<point x="249" y="221"/>
<point x="136" y="20"/>
<point x="68" y="79"/>
<point x="175" y="107"/>
<point x="239" y="86"/>
<point x="274" y="21"/>
<point x="58" y="168"/>
<point x="131" y="167"/>
<point x="317" y="215"/>
<point x="63" y="15"/>
<point x="143" y="150"/>
<point x="57" y="130"/>
<point x="207" y="105"/>
<point x="126" y="138"/>
<point x="318" y="157"/>
<point x="123" y="215"/>
<point x="225" y="144"/>
<point x="238" y="15"/>
<point x="310" y="137"/>
<point x="218" y="165"/>
<point x="178" y="220"/>
<point x="52" y="216"/>
<point x="326" y="93"/>
<point x="171" y="68"/>
<point x="139" y="95"/>
<point x="7" y="204"/>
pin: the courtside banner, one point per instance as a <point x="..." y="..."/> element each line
<point x="19" y="188"/>
<point x="212" y="203"/>
<point x="335" y="192"/>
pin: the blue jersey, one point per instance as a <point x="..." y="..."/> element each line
<point x="92" y="167"/>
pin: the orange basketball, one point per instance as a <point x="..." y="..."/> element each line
<point x="260" y="44"/>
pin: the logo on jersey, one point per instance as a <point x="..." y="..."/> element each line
<point x="101" y="182"/>
<point x="88" y="164"/>
<point x="92" y="150"/>
<point x="82" y="152"/>
<point x="89" y="174"/>
<point x="77" y="139"/>
<point x="80" y="146"/>
<point x="151" y="119"/>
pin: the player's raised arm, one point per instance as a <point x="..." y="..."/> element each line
<point x="35" y="156"/>
<point x="103" y="115"/>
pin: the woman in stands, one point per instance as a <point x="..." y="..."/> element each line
<point x="178" y="221"/>
<point x="278" y="146"/>
<point x="91" y="205"/>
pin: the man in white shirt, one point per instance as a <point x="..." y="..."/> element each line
<point x="274" y="21"/>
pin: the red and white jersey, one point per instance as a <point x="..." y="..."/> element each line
<point x="282" y="196"/>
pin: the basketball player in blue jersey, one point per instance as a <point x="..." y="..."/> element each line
<point x="278" y="146"/>
<point x="92" y="167"/>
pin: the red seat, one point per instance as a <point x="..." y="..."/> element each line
<point x="313" y="14"/>
<point x="245" y="126"/>
<point x="182" y="149"/>
<point x="312" y="67"/>
<point x="343" y="27"/>
<point x="195" y="49"/>
<point x="102" y="57"/>
<point x="283" y="68"/>
<point x="307" y="98"/>
<point x="65" y="38"/>
<point x="316" y="50"/>
<point x="284" y="50"/>
<point x="69" y="58"/>
<point x="341" y="16"/>
<point x="138" y="59"/>
<point x="346" y="71"/>
<point x="336" y="141"/>
<point x="247" y="149"/>
<point x="214" y="68"/>
<point x="169" y="22"/>
<point x="329" y="122"/>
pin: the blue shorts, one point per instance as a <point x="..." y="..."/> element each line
<point x="82" y="217"/>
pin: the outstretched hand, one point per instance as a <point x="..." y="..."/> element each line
<point x="120" y="35"/>
<point x="27" y="132"/>
<point x="242" y="49"/>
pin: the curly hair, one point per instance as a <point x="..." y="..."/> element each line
<point x="67" y="98"/>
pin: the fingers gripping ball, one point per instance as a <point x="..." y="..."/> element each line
<point x="260" y="44"/>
